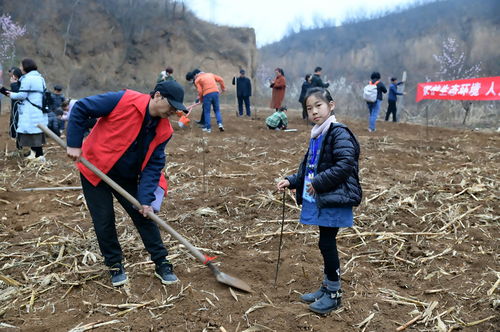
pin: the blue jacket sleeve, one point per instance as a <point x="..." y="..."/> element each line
<point x="394" y="89"/>
<point x="150" y="175"/>
<point x="89" y="108"/>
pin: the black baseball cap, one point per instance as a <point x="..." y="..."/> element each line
<point x="174" y="93"/>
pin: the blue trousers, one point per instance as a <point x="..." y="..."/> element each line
<point x="100" y="203"/>
<point x="373" y="108"/>
<point x="209" y="100"/>
<point x="247" y="105"/>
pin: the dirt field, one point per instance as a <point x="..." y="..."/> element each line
<point x="425" y="244"/>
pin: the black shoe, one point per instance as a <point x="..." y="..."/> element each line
<point x="165" y="272"/>
<point x="118" y="275"/>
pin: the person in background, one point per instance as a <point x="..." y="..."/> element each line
<point x="243" y="92"/>
<point x="67" y="106"/>
<point x="392" y="99"/>
<point x="15" y="74"/>
<point x="279" y="88"/>
<point x="327" y="186"/>
<point x="278" y="120"/>
<point x="306" y="85"/>
<point x="200" y="123"/>
<point x="374" y="108"/>
<point x="316" y="79"/>
<point x="166" y="75"/>
<point x="128" y="144"/>
<point x="208" y="94"/>
<point x="30" y="97"/>
<point x="56" y="124"/>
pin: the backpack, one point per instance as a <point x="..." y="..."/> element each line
<point x="370" y="92"/>
<point x="46" y="100"/>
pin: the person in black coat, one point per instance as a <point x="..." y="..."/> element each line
<point x="328" y="187"/>
<point x="392" y="99"/>
<point x="243" y="92"/>
<point x="15" y="74"/>
<point x="316" y="80"/>
<point x="306" y="85"/>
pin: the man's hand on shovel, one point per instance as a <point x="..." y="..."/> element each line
<point x="73" y="153"/>
<point x="145" y="210"/>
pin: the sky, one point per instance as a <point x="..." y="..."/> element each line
<point x="271" y="19"/>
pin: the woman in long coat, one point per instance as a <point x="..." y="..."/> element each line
<point x="279" y="88"/>
<point x="30" y="98"/>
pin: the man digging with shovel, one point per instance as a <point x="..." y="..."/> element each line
<point x="128" y="144"/>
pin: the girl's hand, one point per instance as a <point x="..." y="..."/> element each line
<point x="310" y="190"/>
<point x="283" y="184"/>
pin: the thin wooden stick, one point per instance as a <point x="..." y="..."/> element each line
<point x="52" y="188"/>
<point x="281" y="240"/>
<point x="278" y="233"/>
<point x="410" y="322"/>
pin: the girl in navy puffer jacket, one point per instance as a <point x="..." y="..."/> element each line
<point x="327" y="186"/>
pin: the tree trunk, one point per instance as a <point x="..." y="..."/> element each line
<point x="467" y="106"/>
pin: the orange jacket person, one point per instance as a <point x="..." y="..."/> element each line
<point x="128" y="144"/>
<point x="208" y="93"/>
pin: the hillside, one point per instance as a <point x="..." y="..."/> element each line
<point x="391" y="44"/>
<point x="98" y="45"/>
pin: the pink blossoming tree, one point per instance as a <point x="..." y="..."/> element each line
<point x="10" y="31"/>
<point x="453" y="66"/>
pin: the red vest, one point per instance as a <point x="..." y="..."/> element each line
<point x="113" y="134"/>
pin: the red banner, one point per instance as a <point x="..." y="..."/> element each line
<point x="484" y="88"/>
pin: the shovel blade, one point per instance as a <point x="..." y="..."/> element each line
<point x="233" y="282"/>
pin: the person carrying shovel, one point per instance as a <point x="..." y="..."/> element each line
<point x="128" y="144"/>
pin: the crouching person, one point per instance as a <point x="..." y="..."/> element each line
<point x="278" y="120"/>
<point x="128" y="144"/>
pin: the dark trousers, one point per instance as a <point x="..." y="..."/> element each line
<point x="38" y="151"/>
<point x="54" y="123"/>
<point x="100" y="203"/>
<point x="391" y="109"/>
<point x="246" y="100"/>
<point x="328" y="247"/>
<point x="202" y="118"/>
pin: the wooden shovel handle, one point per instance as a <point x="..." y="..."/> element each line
<point x="160" y="222"/>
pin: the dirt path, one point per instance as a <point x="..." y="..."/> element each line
<point x="425" y="241"/>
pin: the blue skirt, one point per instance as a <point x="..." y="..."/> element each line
<point x="327" y="217"/>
